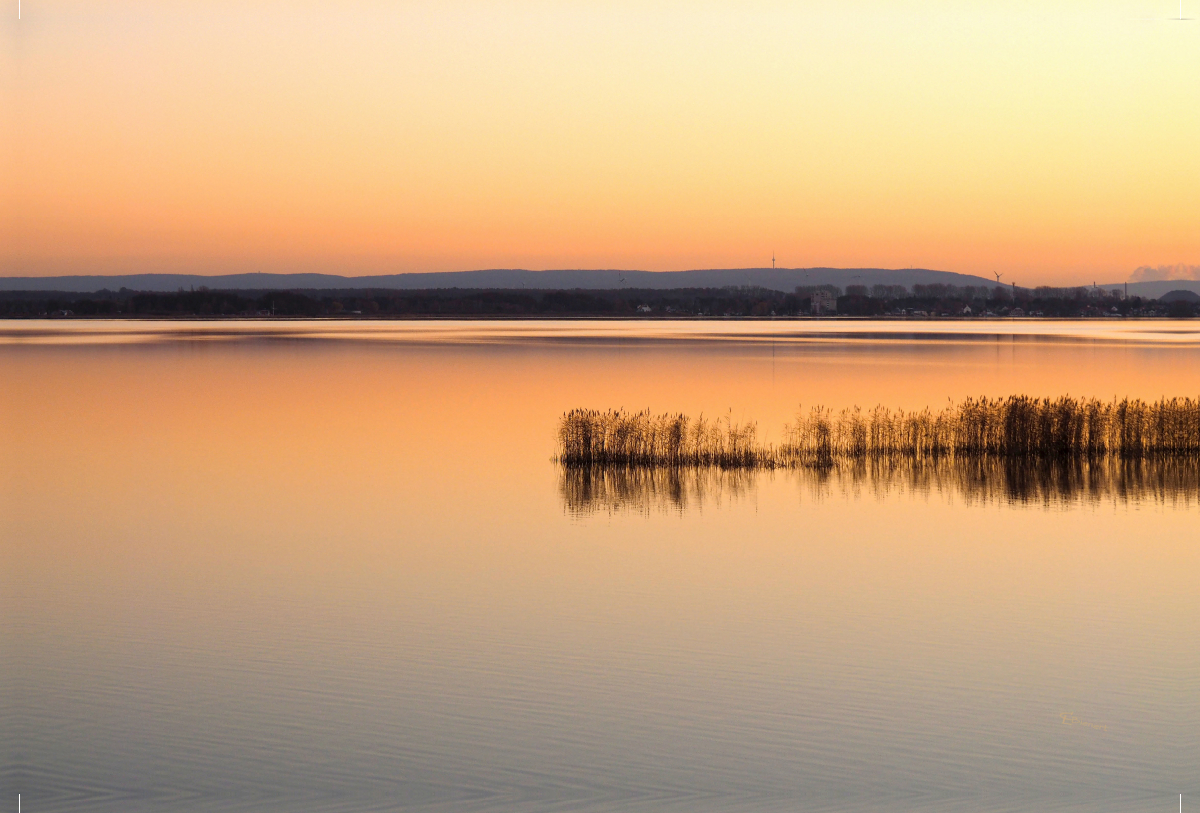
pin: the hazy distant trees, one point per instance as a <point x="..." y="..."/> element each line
<point x="1180" y="309"/>
<point x="888" y="292"/>
<point x="856" y="300"/>
<point x="806" y="291"/>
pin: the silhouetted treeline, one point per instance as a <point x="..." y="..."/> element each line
<point x="384" y="303"/>
<point x="922" y="301"/>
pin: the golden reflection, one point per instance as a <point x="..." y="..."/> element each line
<point x="1175" y="481"/>
<point x="643" y="490"/>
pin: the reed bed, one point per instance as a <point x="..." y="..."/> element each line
<point x="589" y="437"/>
<point x="1013" y="427"/>
<point x="1017" y="427"/>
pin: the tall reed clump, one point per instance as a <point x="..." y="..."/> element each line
<point x="589" y="437"/>
<point x="1014" y="427"/>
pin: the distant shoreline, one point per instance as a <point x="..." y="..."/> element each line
<point x="919" y="302"/>
<point x="575" y="318"/>
<point x="579" y="279"/>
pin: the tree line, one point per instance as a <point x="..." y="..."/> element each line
<point x="880" y="300"/>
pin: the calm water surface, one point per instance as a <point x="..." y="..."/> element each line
<point x="330" y="566"/>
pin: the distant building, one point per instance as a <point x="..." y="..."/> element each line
<point x="967" y="310"/>
<point x="823" y="303"/>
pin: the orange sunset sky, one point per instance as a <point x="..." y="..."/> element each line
<point x="1058" y="141"/>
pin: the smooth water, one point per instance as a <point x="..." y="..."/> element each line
<point x="331" y="566"/>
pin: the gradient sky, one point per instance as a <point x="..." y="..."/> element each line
<point x="1057" y="141"/>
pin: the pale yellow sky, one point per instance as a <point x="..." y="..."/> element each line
<point x="1056" y="141"/>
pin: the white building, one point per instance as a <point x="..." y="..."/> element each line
<point x="823" y="303"/>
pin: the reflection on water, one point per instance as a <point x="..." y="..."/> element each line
<point x="644" y="489"/>
<point x="331" y="571"/>
<point x="1158" y="332"/>
<point x="640" y="489"/>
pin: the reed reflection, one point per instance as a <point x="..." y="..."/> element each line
<point x="587" y="490"/>
<point x="981" y="480"/>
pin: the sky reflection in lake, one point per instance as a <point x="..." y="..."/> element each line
<point x="333" y="574"/>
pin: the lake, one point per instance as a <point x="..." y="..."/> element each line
<point x="332" y="566"/>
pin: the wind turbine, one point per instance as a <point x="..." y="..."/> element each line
<point x="998" y="274"/>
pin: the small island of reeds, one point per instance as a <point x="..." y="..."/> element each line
<point x="1016" y="427"/>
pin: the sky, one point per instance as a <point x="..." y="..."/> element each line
<point x="1058" y="142"/>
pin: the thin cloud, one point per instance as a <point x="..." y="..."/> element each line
<point x="1165" y="272"/>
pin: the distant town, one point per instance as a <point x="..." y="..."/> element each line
<point x="932" y="301"/>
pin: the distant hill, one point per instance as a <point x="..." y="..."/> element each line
<point x="779" y="279"/>
<point x="1155" y="289"/>
<point x="1180" y="296"/>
